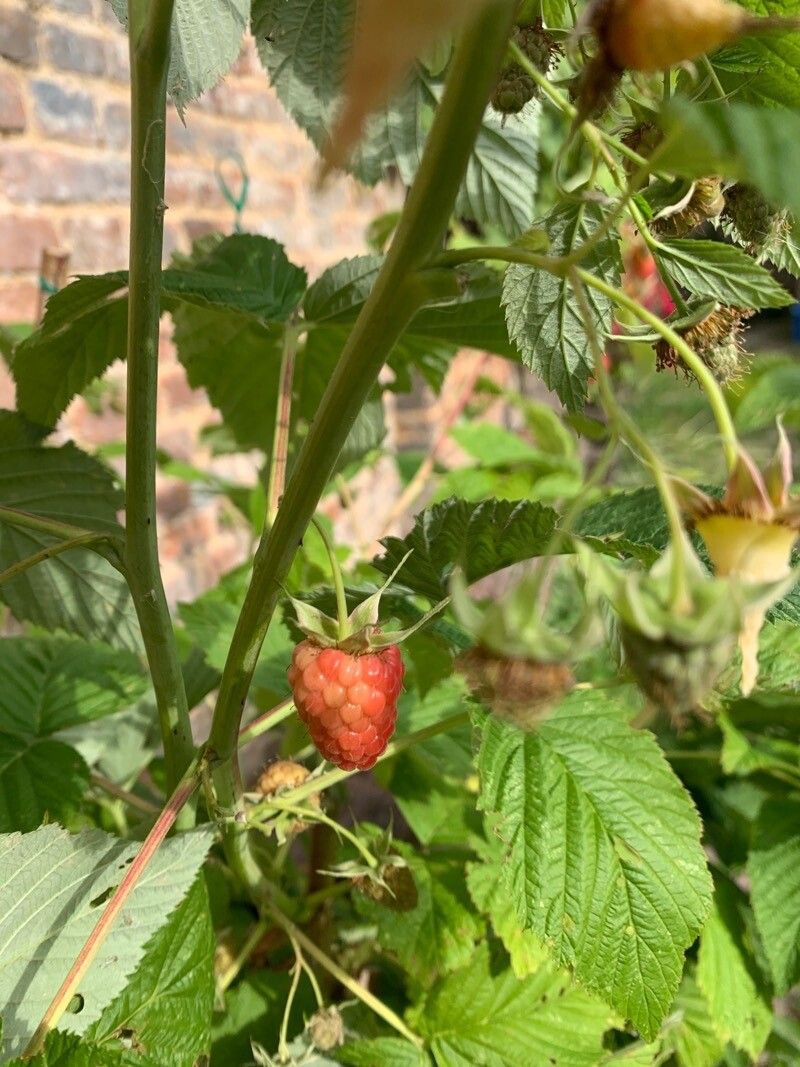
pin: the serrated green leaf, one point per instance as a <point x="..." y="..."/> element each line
<point x="774" y="869"/>
<point x="52" y="889"/>
<point x="428" y="781"/>
<point x="689" y="1032"/>
<point x="492" y="896"/>
<point x="84" y="331"/>
<point x="15" y="430"/>
<point x="48" y="685"/>
<point x="734" y="140"/>
<point x="722" y="272"/>
<point x="542" y="315"/>
<point x="724" y="975"/>
<point x="437" y="935"/>
<point x="483" y="1016"/>
<point x="383" y="1052"/>
<point x="637" y="516"/>
<point x="68" y="1050"/>
<point x="85" y="326"/>
<point x="481" y="538"/>
<point x="205" y="43"/>
<point x="499" y="186"/>
<point x="77" y="591"/>
<point x="604" y="854"/>
<point x="763" y="69"/>
<point x="164" y="1012"/>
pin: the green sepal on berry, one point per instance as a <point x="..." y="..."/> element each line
<point x="360" y="630"/>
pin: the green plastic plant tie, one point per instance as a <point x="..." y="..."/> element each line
<point x="238" y="203"/>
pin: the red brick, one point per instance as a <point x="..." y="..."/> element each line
<point x="97" y="242"/>
<point x="70" y="50"/>
<point x="115" y="130"/>
<point x="12" y="106"/>
<point x="19" y="301"/>
<point x="18" y="37"/>
<point x="173" y="497"/>
<point x="22" y="238"/>
<point x="64" y="113"/>
<point x="193" y="185"/>
<point x="240" y="102"/>
<point x="33" y="175"/>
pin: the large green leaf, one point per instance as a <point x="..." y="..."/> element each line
<point x="774" y="869"/>
<point x="722" y="272"/>
<point x="483" y="1016"/>
<point x="77" y="591"/>
<point x="437" y="935"/>
<point x="604" y="854"/>
<point x="85" y="325"/>
<point x="164" y="1013"/>
<point x="725" y="975"/>
<point x="766" y="395"/>
<point x="499" y="186"/>
<point x="68" y="1050"/>
<point x="48" y="685"/>
<point x="492" y="896"/>
<point x="206" y="41"/>
<point x="52" y="889"/>
<point x="481" y="538"/>
<point x="83" y="333"/>
<point x="383" y="1052"/>
<point x="763" y="69"/>
<point x="738" y="141"/>
<point x="473" y="319"/>
<point x="690" y="1033"/>
<point x="542" y="314"/>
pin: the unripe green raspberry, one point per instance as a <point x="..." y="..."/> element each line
<point x="751" y="214"/>
<point x="676" y="677"/>
<point x="513" y="91"/>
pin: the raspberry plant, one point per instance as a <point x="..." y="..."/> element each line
<point x="586" y="839"/>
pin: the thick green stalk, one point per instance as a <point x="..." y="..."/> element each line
<point x="398" y="293"/>
<point x="149" y="49"/>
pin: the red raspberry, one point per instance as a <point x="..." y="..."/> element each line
<point x="347" y="701"/>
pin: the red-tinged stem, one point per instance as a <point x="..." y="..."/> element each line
<point x="83" y="961"/>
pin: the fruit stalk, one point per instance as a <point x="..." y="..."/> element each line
<point x="395" y="298"/>
<point x="149" y="32"/>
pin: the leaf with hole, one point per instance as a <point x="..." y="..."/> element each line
<point x="52" y="888"/>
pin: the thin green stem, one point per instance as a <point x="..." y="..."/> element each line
<point x="712" y="74"/>
<point x="399" y="291"/>
<point x="268" y="721"/>
<point x="232" y="971"/>
<point x="311" y="815"/>
<point x="336" y="572"/>
<point x="150" y="22"/>
<point x="64" y="530"/>
<point x="131" y="799"/>
<point x="283" y="421"/>
<point x="83" y="541"/>
<point x="627" y="428"/>
<point x="345" y="979"/>
<point x="704" y="376"/>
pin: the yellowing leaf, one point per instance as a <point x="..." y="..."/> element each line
<point x="390" y="35"/>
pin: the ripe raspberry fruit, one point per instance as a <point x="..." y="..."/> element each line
<point x="348" y="700"/>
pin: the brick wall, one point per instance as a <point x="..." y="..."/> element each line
<point x="64" y="143"/>
<point x="64" y="116"/>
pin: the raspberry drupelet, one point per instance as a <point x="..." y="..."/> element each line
<point x="348" y="701"/>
